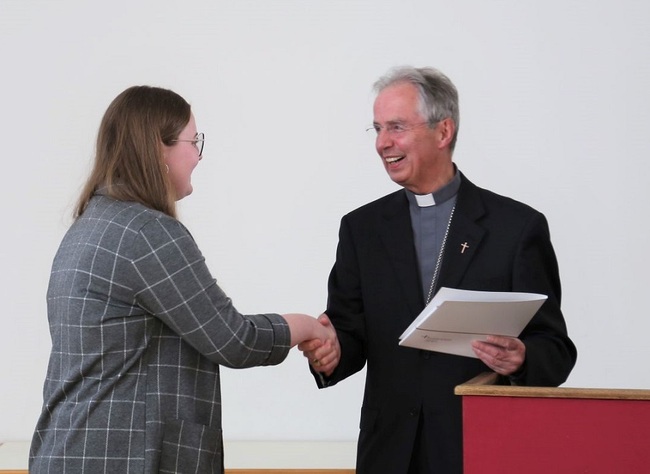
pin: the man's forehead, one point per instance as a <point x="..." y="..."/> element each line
<point x="397" y="101"/>
<point x="397" y="112"/>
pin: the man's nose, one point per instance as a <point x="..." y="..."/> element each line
<point x="383" y="139"/>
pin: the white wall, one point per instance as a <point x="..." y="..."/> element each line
<point x="555" y="112"/>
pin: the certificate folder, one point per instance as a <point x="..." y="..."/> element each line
<point x="454" y="318"/>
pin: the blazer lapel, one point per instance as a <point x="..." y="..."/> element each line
<point x="464" y="239"/>
<point x="397" y="236"/>
<point x="465" y="235"/>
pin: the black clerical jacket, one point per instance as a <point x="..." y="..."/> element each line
<point x="375" y="292"/>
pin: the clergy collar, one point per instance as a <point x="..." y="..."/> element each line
<point x="441" y="195"/>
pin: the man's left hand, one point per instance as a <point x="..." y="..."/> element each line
<point x="504" y="355"/>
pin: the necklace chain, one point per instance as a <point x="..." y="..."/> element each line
<point x="440" y="255"/>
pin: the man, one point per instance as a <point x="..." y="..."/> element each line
<point x="394" y="253"/>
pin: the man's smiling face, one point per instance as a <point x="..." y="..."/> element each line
<point x="414" y="156"/>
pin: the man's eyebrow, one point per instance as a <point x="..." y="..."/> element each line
<point x="392" y="122"/>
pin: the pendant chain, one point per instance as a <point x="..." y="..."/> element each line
<point x="440" y="255"/>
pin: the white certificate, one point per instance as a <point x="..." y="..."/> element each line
<point x="454" y="318"/>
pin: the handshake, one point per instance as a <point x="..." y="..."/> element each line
<point x="323" y="351"/>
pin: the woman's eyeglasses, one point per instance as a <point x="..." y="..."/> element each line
<point x="197" y="142"/>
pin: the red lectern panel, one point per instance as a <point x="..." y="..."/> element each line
<point x="558" y="430"/>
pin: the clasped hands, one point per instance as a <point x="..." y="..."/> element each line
<point x="323" y="354"/>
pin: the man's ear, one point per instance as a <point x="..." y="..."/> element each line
<point x="446" y="129"/>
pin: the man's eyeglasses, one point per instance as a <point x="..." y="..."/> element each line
<point x="197" y="142"/>
<point x="394" y="128"/>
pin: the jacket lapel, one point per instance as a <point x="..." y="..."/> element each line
<point x="396" y="235"/>
<point x="465" y="235"/>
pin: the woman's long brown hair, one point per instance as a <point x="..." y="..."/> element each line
<point x="129" y="162"/>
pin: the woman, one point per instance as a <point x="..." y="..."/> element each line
<point x="139" y="326"/>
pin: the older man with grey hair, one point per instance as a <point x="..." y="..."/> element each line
<point x="394" y="253"/>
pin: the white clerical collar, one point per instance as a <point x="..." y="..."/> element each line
<point x="425" y="200"/>
<point x="438" y="197"/>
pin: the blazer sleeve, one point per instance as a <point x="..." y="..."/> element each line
<point x="550" y="354"/>
<point x="172" y="282"/>
<point x="345" y="309"/>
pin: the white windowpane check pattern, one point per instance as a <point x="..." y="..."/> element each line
<point x="139" y="328"/>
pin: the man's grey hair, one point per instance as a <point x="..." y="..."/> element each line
<point x="438" y="95"/>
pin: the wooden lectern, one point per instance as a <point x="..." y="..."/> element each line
<point x="534" y="430"/>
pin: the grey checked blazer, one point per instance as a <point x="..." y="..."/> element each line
<point x="139" y="328"/>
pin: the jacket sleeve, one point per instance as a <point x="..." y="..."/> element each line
<point x="345" y="309"/>
<point x="550" y="354"/>
<point x="172" y="282"/>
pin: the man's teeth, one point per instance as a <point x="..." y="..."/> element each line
<point x="393" y="159"/>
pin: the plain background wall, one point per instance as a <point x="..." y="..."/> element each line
<point x="555" y="112"/>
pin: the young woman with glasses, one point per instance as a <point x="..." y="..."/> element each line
<point x="139" y="326"/>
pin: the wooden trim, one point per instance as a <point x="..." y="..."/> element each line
<point x="481" y="385"/>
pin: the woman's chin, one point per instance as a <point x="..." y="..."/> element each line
<point x="184" y="193"/>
